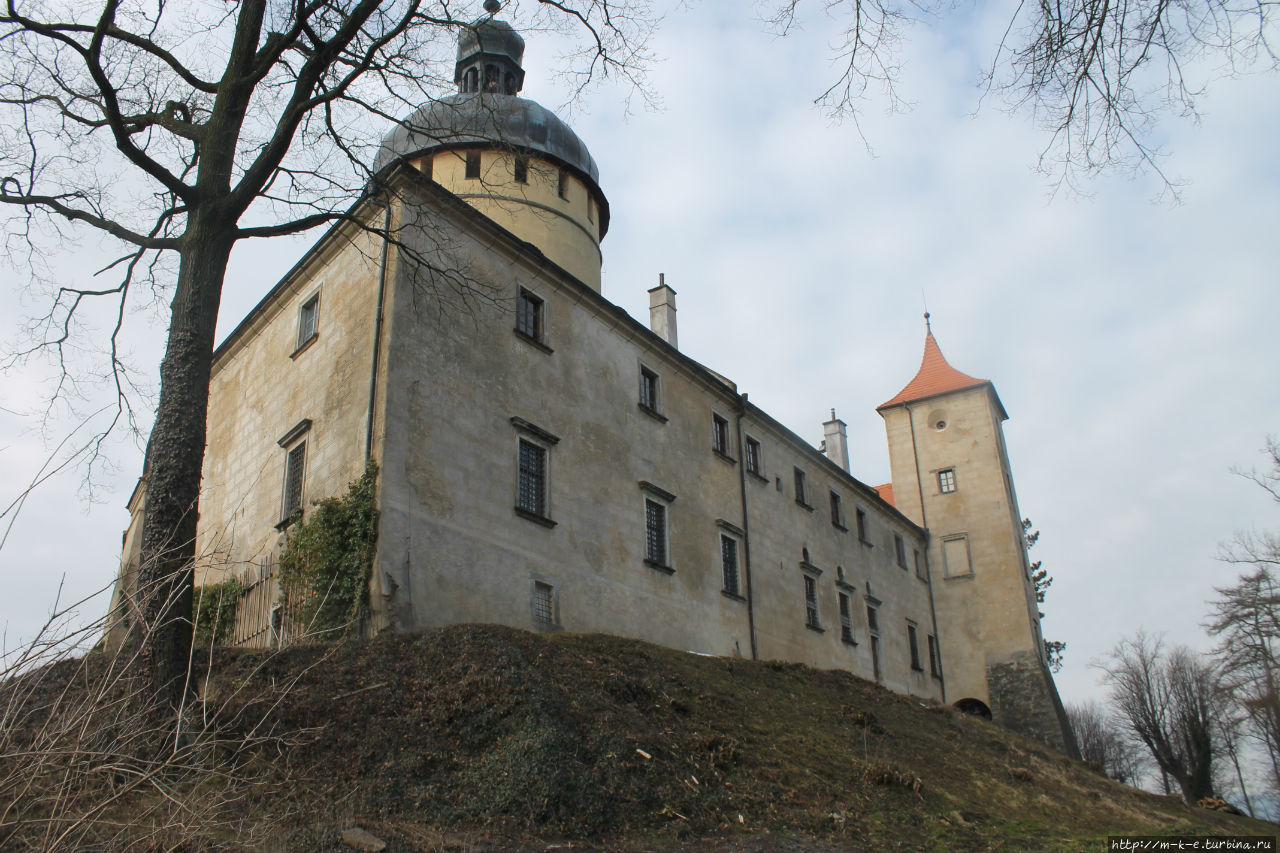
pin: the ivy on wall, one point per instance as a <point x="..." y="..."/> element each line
<point x="215" y="612"/>
<point x="326" y="564"/>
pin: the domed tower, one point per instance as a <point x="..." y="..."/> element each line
<point x="951" y="475"/>
<point x="508" y="157"/>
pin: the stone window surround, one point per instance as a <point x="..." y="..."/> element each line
<point x="658" y="496"/>
<point x="308" y="323"/>
<point x="538" y="588"/>
<point x="726" y="530"/>
<point x="291" y="442"/>
<point x="539" y="306"/>
<point x="538" y="437"/>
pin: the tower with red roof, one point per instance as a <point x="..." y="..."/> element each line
<point x="951" y="475"/>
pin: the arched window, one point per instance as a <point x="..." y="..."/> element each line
<point x="471" y="81"/>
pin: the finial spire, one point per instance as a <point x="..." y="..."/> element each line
<point x="928" y="327"/>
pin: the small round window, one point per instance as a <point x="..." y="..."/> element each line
<point x="940" y="425"/>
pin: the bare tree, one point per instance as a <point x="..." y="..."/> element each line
<point x="1174" y="703"/>
<point x="179" y="129"/>
<point x="1246" y="618"/>
<point x="1102" y="741"/>
<point x="1097" y="75"/>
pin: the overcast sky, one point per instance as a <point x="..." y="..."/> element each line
<point x="1130" y="340"/>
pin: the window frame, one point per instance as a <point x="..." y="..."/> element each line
<point x="801" y="480"/>
<point x="471" y="165"/>
<point x="860" y="517"/>
<point x="721" y="443"/>
<point x="650" y="392"/>
<point x="534" y="437"/>
<point x="947" y="572"/>
<point x="935" y="656"/>
<point x="536" y="585"/>
<point x="913" y="644"/>
<point x="946" y="479"/>
<point x="754" y="454"/>
<point x="730" y="570"/>
<point x="294" y="444"/>
<point x="900" y="550"/>
<point x="308" y="323"/>
<point x="837" y="510"/>
<point x="656" y="503"/>
<point x="846" y="619"/>
<point x="520" y="168"/>
<point x="526" y="301"/>
<point x="537" y="481"/>
<point x="812" y="614"/>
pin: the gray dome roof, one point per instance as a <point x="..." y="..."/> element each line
<point x="502" y="120"/>
<point x="493" y="37"/>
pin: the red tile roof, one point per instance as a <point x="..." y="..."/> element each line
<point x="886" y="492"/>
<point x="935" y="377"/>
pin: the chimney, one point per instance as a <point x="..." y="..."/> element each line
<point x="662" y="311"/>
<point x="836" y="442"/>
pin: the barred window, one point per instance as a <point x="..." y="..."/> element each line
<point x="729" y="563"/>
<point x="532" y="493"/>
<point x="846" y="619"/>
<point x="295" y="462"/>
<point x="655" y="531"/>
<point x="811" y="602"/>
<point x="529" y="315"/>
<point x="544" y="603"/>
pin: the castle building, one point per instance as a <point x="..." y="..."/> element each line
<point x="548" y="462"/>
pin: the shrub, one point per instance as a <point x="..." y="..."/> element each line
<point x="215" y="612"/>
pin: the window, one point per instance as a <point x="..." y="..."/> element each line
<point x="473" y="164"/>
<point x="520" y="169"/>
<point x="471" y="80"/>
<point x="955" y="557"/>
<point x="529" y="315"/>
<point x="875" y="656"/>
<point x="935" y="660"/>
<point x="914" y="644"/>
<point x="308" y="321"/>
<point x="719" y="434"/>
<point x="873" y="624"/>
<point x="655" y="531"/>
<point x="543" y="603"/>
<point x="862" y="525"/>
<point x="915" y="554"/>
<point x="811" y="603"/>
<point x="531" y="496"/>
<point x="900" y="549"/>
<point x="294" y="464"/>
<point x="753" y="457"/>
<point x="837" y="510"/>
<point x="649" y="396"/>
<point x="947" y="480"/>
<point x="729" y="563"/>
<point x="846" y="620"/>
<point x="562" y="184"/>
<point x="802" y="494"/>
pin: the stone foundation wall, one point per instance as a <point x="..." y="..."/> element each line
<point x="1024" y="699"/>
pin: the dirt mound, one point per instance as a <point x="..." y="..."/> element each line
<point x="489" y="730"/>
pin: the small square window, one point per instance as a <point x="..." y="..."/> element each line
<point x="811" y="603"/>
<point x="649" y="390"/>
<point x="520" y="169"/>
<point x="914" y="642"/>
<point x="802" y="488"/>
<point x="719" y="434"/>
<point x="473" y="164"/>
<point x="529" y="315"/>
<point x="837" y="510"/>
<point x="531" y="496"/>
<point x="754" y="465"/>
<point x="900" y="549"/>
<point x="729" y="563"/>
<point x="308" y="320"/>
<point x="947" y="480"/>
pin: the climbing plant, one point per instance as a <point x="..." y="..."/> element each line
<point x="215" y="612"/>
<point x="325" y="566"/>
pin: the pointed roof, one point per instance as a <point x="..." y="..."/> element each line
<point x="937" y="376"/>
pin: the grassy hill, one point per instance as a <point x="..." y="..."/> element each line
<point x="477" y="738"/>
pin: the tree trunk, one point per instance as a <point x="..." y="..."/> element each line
<point x="175" y="456"/>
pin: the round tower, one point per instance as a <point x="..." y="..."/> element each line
<point x="510" y="158"/>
